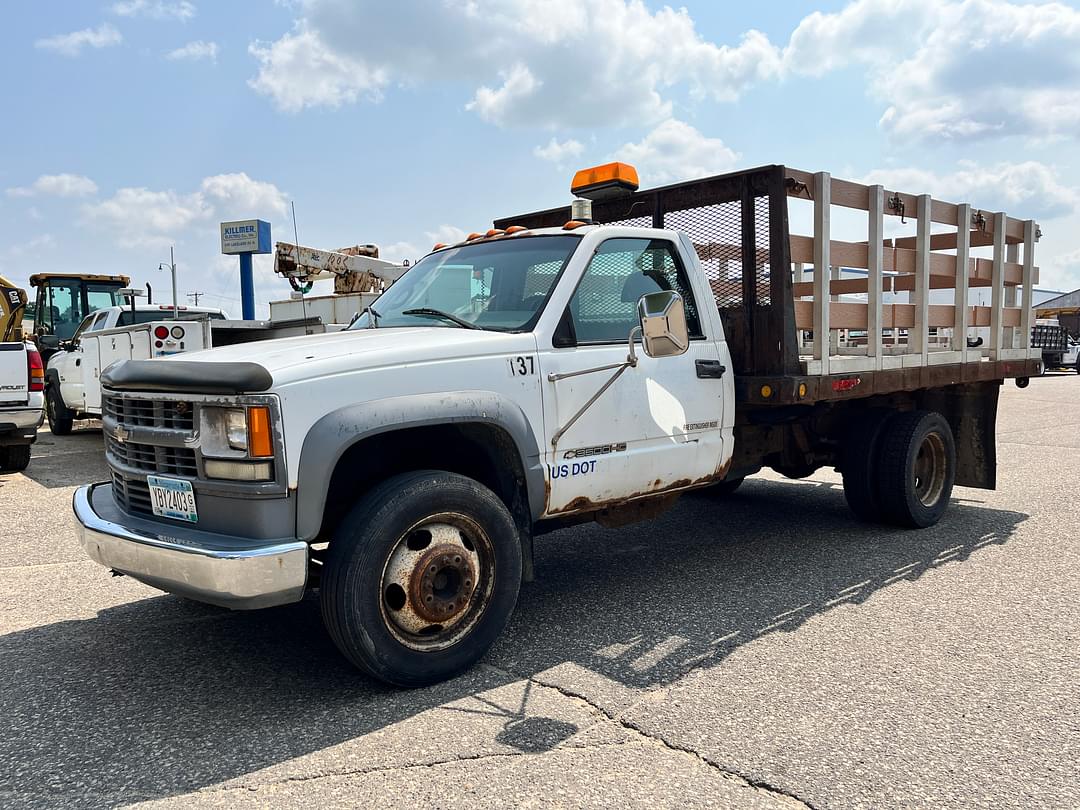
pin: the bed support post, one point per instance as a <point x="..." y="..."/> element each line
<point x="822" y="202"/>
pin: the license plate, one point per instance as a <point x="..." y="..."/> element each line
<point x="172" y="498"/>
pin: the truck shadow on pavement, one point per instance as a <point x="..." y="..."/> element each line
<point x="161" y="696"/>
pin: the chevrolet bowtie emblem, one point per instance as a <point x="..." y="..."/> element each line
<point x="121" y="434"/>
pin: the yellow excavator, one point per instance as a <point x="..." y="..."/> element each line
<point x="63" y="301"/>
<point x="12" y="307"/>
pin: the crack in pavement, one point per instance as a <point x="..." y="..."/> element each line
<point x="742" y="780"/>
<point x="412" y="766"/>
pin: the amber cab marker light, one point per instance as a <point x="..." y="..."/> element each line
<point x="472" y="236"/>
<point x="439" y="246"/>
<point x="572" y="224"/>
<point x="259" y="444"/>
<point x="604" y="182"/>
<point x="515" y="229"/>
<point x="494" y="232"/>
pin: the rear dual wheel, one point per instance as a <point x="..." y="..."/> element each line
<point x="900" y="470"/>
<point x="421" y="577"/>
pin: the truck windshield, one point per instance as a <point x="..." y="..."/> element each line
<point x="500" y="285"/>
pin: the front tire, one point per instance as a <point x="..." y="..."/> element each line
<point x="421" y="577"/>
<point x="917" y="467"/>
<point x="60" y="418"/>
<point x="14" y="457"/>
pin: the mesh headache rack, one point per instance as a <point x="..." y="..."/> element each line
<point x="812" y="317"/>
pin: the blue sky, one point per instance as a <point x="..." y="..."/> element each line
<point x="135" y="124"/>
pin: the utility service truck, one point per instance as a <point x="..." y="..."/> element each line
<point x="563" y="366"/>
<point x="73" y="388"/>
<point x="359" y="276"/>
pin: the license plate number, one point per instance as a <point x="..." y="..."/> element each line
<point x="172" y="498"/>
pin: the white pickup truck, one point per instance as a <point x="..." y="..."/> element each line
<point x="543" y="373"/>
<point x="22" y="382"/>
<point x="73" y="389"/>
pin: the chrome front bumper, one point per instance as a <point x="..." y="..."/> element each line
<point x="230" y="572"/>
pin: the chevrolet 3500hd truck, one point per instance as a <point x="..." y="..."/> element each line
<point x="554" y="370"/>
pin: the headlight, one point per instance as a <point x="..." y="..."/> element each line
<point x="236" y="432"/>
<point x="232" y="439"/>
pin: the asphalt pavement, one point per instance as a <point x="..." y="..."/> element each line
<point x="765" y="651"/>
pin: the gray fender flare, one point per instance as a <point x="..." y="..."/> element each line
<point x="332" y="435"/>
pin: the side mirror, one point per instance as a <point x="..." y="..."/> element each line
<point x="663" y="324"/>
<point x="49" y="343"/>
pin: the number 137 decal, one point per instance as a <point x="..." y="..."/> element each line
<point x="522" y="365"/>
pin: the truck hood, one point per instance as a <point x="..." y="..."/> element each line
<point x="298" y="358"/>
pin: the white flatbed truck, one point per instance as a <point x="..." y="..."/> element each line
<point x="554" y="370"/>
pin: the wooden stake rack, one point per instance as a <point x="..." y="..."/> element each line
<point x="916" y="265"/>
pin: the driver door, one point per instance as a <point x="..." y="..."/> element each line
<point x="658" y="426"/>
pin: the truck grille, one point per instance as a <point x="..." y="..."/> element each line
<point x="175" y="414"/>
<point x="152" y="458"/>
<point x="132" y="494"/>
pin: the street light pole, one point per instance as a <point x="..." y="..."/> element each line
<point x="172" y="268"/>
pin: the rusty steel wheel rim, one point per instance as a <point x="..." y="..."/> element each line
<point x="930" y="469"/>
<point x="437" y="582"/>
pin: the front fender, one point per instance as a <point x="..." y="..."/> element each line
<point x="331" y="436"/>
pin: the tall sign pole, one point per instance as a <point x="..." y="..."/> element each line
<point x="245" y="238"/>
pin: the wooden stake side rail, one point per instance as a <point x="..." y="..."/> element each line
<point x="913" y="265"/>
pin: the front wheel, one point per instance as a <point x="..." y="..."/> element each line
<point x="60" y="418"/>
<point x="421" y="577"/>
<point x="917" y="467"/>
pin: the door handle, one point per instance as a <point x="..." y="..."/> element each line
<point x="709" y="369"/>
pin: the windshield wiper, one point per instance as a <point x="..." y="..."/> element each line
<point x="438" y="313"/>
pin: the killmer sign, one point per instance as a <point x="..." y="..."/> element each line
<point x="245" y="236"/>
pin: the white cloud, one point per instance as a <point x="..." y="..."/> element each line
<point x="238" y="195"/>
<point x="558" y="152"/>
<point x="155" y="9"/>
<point x="141" y="217"/>
<point x="194" y="51"/>
<point x="936" y="68"/>
<point x="300" y="71"/>
<point x="103" y="36"/>
<point x="963" y="70"/>
<point x="530" y="62"/>
<point x="676" y="151"/>
<point x="57" y="185"/>
<point x="1026" y="189"/>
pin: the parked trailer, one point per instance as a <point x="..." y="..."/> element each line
<point x="553" y="370"/>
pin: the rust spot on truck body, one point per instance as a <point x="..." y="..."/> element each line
<point x="667" y="493"/>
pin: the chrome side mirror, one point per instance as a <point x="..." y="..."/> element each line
<point x="663" y="324"/>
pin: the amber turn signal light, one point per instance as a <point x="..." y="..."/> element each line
<point x="260" y="444"/>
